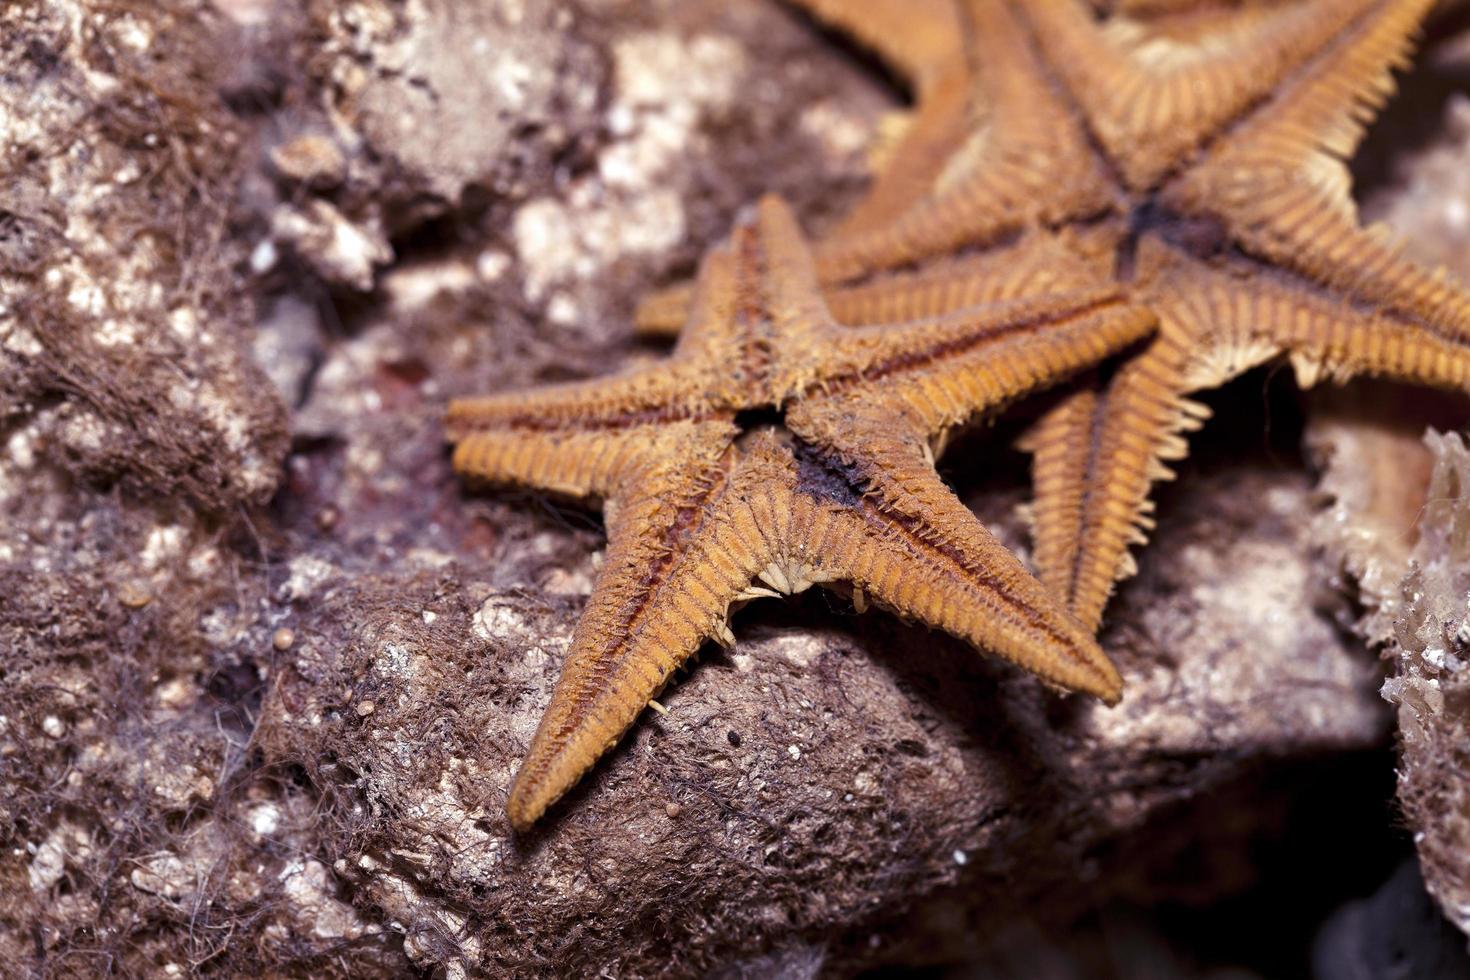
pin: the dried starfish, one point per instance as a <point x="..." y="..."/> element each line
<point x="775" y="446"/>
<point x="1190" y="153"/>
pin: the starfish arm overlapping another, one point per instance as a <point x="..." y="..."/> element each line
<point x="1098" y="453"/>
<point x="925" y="42"/>
<point x="1223" y="130"/>
<point x="990" y="152"/>
<point x="699" y="512"/>
<point x="1303" y="280"/>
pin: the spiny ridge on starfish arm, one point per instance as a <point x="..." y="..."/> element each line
<point x="836" y="483"/>
<point x="1189" y="154"/>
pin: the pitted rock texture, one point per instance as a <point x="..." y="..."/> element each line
<point x="829" y="764"/>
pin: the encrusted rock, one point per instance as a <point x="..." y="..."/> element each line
<point x="1431" y="681"/>
<point x="858" y="746"/>
<point x="123" y="330"/>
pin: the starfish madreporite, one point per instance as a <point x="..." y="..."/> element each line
<point x="775" y="447"/>
<point x="1189" y="153"/>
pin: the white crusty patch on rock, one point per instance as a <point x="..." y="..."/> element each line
<point x="665" y="86"/>
<point x="167" y="875"/>
<point x="307" y="573"/>
<point x="65" y="844"/>
<point x="498" y="619"/>
<point x="163" y="544"/>
<point x="308" y="887"/>
<point x="339" y="249"/>
<point x="416" y="79"/>
<point x="1255" y="699"/>
<point x="839" y="131"/>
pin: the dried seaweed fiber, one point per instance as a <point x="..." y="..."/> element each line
<point x="123" y="324"/>
<point x="138" y="836"/>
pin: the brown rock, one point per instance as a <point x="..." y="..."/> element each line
<point x="865" y="744"/>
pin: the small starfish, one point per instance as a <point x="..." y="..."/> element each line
<point x="775" y="446"/>
<point x="1189" y="152"/>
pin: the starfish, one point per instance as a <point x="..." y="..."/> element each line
<point x="1188" y="152"/>
<point x="772" y="450"/>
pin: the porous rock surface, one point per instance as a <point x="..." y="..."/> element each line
<point x="1431" y="682"/>
<point x="830" y="770"/>
<point x="239" y="737"/>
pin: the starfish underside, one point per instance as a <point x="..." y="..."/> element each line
<point x="773" y="450"/>
<point x="1188" y="153"/>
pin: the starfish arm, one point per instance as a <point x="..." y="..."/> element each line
<point x="572" y="464"/>
<point x="1239" y="315"/>
<point x="766" y="265"/>
<point x="701" y="312"/>
<point x="663" y="312"/>
<point x="1095" y="456"/>
<point x="944" y="371"/>
<point x="1038" y="265"/>
<point x="1096" y="459"/>
<point x="1024" y="162"/>
<point x="920" y="39"/>
<point x="787" y="282"/>
<point x="710" y="343"/>
<point x="683" y="544"/>
<point x="664" y="392"/>
<point x="925" y="41"/>
<point x="938" y="127"/>
<point x="1322" y="106"/>
<point x="1159" y="8"/>
<point x="1152" y="98"/>
<point x="1296" y="226"/>
<point x="1061" y="447"/>
<point x="901" y="536"/>
<point x="1281" y="188"/>
<point x="938" y="287"/>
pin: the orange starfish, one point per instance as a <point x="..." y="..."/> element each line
<point x="1188" y="153"/>
<point x="776" y="447"/>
